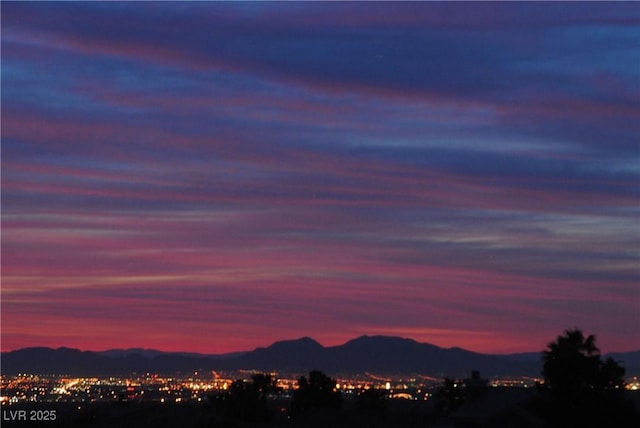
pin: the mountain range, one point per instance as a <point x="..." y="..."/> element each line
<point x="378" y="354"/>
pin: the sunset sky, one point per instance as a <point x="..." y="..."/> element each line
<point x="212" y="177"/>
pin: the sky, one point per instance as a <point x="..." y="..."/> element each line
<point x="213" y="177"/>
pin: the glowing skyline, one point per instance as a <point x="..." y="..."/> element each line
<point x="212" y="177"/>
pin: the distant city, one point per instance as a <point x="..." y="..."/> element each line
<point x="188" y="398"/>
<point x="198" y="386"/>
<point x="416" y="383"/>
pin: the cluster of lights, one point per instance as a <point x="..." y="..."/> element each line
<point x="524" y="382"/>
<point x="33" y="388"/>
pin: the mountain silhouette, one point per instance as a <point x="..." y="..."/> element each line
<point x="398" y="355"/>
<point x="300" y="354"/>
<point x="379" y="354"/>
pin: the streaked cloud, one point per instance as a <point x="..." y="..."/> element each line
<point x="441" y="171"/>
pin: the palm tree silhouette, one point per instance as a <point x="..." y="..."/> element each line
<point x="572" y="362"/>
<point x="580" y="390"/>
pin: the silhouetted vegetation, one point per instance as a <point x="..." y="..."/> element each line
<point x="372" y="399"/>
<point x="247" y="400"/>
<point x="449" y="397"/>
<point x="319" y="391"/>
<point x="581" y="390"/>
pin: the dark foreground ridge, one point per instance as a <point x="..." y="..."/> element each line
<point x="380" y="354"/>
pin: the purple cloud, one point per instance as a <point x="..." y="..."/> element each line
<point x="434" y="170"/>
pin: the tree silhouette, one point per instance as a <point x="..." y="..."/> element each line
<point x="248" y="400"/>
<point x="449" y="396"/>
<point x="319" y="391"/>
<point x="580" y="390"/>
<point x="262" y="384"/>
<point x="372" y="399"/>
<point x="572" y="362"/>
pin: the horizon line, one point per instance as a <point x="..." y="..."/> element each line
<point x="116" y="348"/>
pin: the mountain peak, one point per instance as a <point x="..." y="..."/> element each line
<point x="379" y="340"/>
<point x="381" y="337"/>
<point x="301" y="343"/>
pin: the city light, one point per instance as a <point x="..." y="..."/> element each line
<point x="169" y="389"/>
